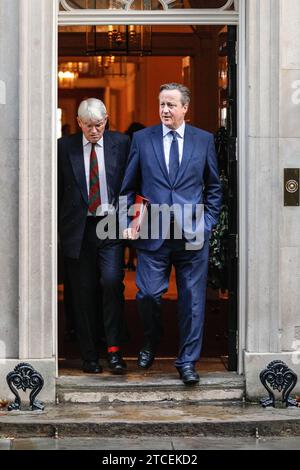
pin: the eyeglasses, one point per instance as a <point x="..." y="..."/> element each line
<point x="97" y="124"/>
<point x="101" y="123"/>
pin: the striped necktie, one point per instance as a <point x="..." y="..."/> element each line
<point x="94" y="193"/>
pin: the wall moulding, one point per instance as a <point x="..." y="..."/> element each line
<point x="123" y="13"/>
<point x="72" y="5"/>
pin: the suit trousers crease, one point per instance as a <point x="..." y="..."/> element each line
<point x="96" y="280"/>
<point x="153" y="274"/>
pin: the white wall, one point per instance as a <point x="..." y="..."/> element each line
<point x="290" y="158"/>
<point x="9" y="176"/>
<point x="28" y="188"/>
<point x="273" y="312"/>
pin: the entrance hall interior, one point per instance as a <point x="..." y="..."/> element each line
<point x="125" y="66"/>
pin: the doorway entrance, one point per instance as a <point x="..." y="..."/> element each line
<point x="203" y="58"/>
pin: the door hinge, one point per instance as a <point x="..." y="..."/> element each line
<point x="237" y="246"/>
<point x="237" y="341"/>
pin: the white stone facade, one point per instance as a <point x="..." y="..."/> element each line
<point x="273" y="262"/>
<point x="269" y="135"/>
<point x="28" y="214"/>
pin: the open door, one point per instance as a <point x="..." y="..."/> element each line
<point x="232" y="199"/>
<point x="204" y="58"/>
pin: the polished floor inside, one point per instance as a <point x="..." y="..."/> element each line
<point x="161" y="366"/>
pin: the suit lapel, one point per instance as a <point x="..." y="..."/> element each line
<point x="157" y="141"/>
<point x="77" y="162"/>
<point x="188" y="148"/>
<point x="110" y="158"/>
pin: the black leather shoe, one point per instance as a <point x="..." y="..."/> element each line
<point x="188" y="375"/>
<point x="116" y="363"/>
<point x="91" y="367"/>
<point x="145" y="359"/>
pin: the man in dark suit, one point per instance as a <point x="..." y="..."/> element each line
<point x="173" y="165"/>
<point x="91" y="167"/>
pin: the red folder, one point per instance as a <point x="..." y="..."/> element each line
<point x="140" y="211"/>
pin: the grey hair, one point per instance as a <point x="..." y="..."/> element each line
<point x="185" y="92"/>
<point x="92" y="109"/>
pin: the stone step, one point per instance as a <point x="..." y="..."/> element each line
<point x="141" y="420"/>
<point x="144" y="388"/>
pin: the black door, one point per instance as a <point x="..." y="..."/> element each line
<point x="232" y="199"/>
<point x="223" y="265"/>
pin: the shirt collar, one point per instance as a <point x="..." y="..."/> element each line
<point x="180" y="130"/>
<point x="86" y="142"/>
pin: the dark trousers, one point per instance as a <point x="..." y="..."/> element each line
<point x="153" y="274"/>
<point x="96" y="282"/>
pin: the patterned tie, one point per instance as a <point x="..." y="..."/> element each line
<point x="174" y="158"/>
<point x="94" y="194"/>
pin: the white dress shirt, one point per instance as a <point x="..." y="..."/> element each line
<point x="99" y="148"/>
<point x="167" y="138"/>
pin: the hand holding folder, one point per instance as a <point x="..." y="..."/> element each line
<point x="140" y="211"/>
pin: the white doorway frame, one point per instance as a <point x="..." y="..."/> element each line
<point x="194" y="17"/>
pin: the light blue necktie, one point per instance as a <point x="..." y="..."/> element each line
<point x="174" y="158"/>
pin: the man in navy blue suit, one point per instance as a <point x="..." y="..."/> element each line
<point x="173" y="165"/>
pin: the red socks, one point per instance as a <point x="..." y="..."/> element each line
<point x="113" y="349"/>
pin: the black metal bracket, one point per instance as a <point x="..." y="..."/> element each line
<point x="278" y="376"/>
<point x="24" y="377"/>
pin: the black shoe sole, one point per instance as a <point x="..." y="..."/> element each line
<point x="146" y="366"/>
<point x="190" y="382"/>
